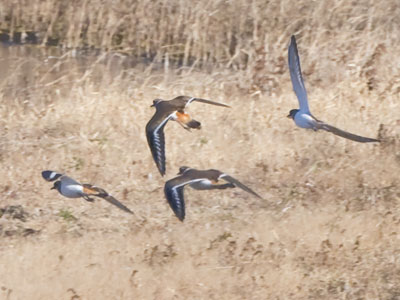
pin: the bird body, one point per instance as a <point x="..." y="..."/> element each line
<point x="302" y="116"/>
<point x="71" y="189"/>
<point x="305" y="120"/>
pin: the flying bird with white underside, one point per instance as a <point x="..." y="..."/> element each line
<point x="303" y="117"/>
<point x="70" y="188"/>
<point x="170" y="110"/>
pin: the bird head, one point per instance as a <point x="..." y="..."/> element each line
<point x="292" y="113"/>
<point x="56" y="185"/>
<point x="183" y="170"/>
<point x="155" y="102"/>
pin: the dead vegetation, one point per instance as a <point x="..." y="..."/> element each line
<point x="328" y="228"/>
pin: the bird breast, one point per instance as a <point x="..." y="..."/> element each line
<point x="304" y="120"/>
<point x="71" y="190"/>
<point x="182" y="117"/>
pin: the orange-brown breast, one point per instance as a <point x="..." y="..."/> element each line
<point x="183" y="117"/>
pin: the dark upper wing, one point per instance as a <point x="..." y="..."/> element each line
<point x="156" y="139"/>
<point x="206" y="101"/>
<point x="51" y="175"/>
<point x="173" y="191"/>
<point x="345" y="134"/>
<point x="115" y="202"/>
<point x="239" y="184"/>
<point x="174" y="194"/>
<point x="99" y="192"/>
<point x="295" y="75"/>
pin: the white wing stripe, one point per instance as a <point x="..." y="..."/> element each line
<point x="156" y="137"/>
<point x="187" y="182"/>
<point x="190" y="100"/>
<point x="162" y="123"/>
<point x="222" y="176"/>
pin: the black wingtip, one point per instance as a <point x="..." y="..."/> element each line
<point x="161" y="170"/>
<point x="125" y="209"/>
<point x="50" y="175"/>
<point x="175" y="199"/>
<point x="181" y="218"/>
<point x="375" y="141"/>
<point x="179" y="214"/>
<point x="293" y="43"/>
<point x="46" y="174"/>
<point x="115" y="202"/>
<point x="258" y="196"/>
<point x="159" y="164"/>
<point x="178" y="211"/>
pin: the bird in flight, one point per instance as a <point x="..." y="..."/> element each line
<point x="303" y="117"/>
<point x="199" y="180"/>
<point x="70" y="188"/>
<point x="170" y="110"/>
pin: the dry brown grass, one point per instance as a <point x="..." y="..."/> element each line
<point x="328" y="227"/>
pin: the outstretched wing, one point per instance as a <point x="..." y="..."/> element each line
<point x="173" y="191"/>
<point x="296" y="77"/>
<point x="174" y="195"/>
<point x="345" y="134"/>
<point x="238" y="184"/>
<point x="156" y="139"/>
<point x="118" y="204"/>
<point x="99" y="192"/>
<point x="205" y="101"/>
<point x="51" y="175"/>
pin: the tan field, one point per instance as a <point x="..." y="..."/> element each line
<point x="328" y="224"/>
